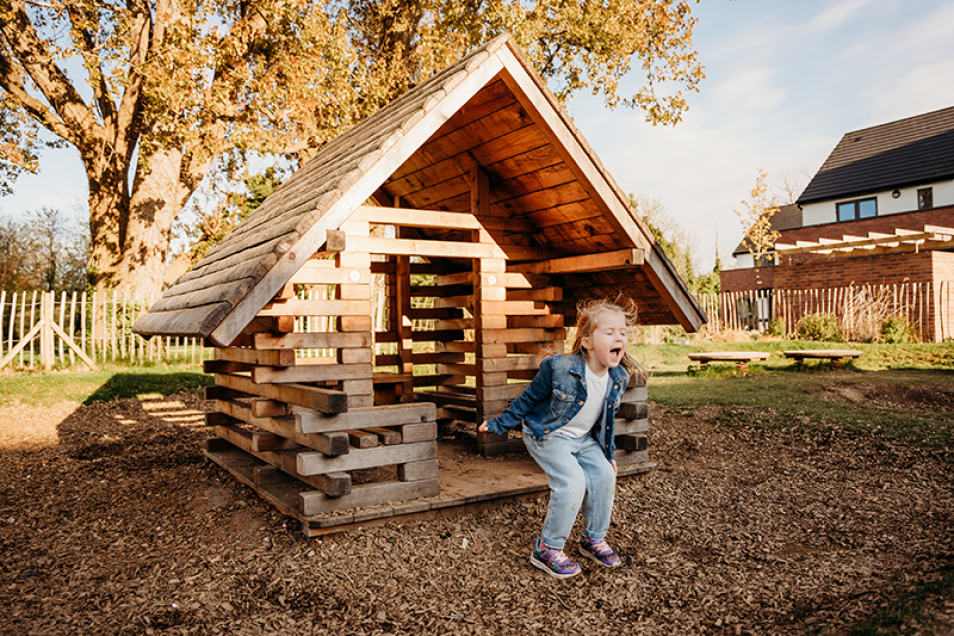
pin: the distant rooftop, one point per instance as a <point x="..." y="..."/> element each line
<point x="901" y="153"/>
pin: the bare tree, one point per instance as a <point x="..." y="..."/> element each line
<point x="49" y="251"/>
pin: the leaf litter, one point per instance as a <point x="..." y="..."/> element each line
<point x="112" y="522"/>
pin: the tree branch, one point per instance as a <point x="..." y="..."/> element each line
<point x="45" y="5"/>
<point x="11" y="81"/>
<point x="74" y="121"/>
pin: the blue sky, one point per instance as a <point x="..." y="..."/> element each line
<point x="785" y="79"/>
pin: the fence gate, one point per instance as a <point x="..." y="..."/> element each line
<point x="47" y="330"/>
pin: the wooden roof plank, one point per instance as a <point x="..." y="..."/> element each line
<point x="240" y="261"/>
<point x="230" y="292"/>
<point x="188" y="322"/>
<point x="356" y="195"/>
<point x="490" y="112"/>
<point x="683" y="305"/>
<point x="252" y="268"/>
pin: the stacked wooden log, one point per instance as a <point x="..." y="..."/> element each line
<point x="632" y="423"/>
<point x="313" y="419"/>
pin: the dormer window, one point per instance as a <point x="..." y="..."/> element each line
<point x="925" y="198"/>
<point x="858" y="209"/>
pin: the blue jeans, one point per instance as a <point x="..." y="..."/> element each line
<point x="579" y="476"/>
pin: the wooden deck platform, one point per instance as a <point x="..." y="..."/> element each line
<point x="466" y="486"/>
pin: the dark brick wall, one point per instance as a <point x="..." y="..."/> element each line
<point x="842" y="270"/>
<point x="732" y="280"/>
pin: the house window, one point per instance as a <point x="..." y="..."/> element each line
<point x="925" y="198"/>
<point x="860" y="209"/>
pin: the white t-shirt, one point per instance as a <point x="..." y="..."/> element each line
<point x="592" y="409"/>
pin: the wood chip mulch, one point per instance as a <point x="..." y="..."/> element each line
<point x="112" y="522"/>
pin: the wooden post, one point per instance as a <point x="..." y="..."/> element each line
<point x="32" y="322"/>
<point x="403" y="326"/>
<point x="3" y="300"/>
<point x="358" y="267"/>
<point x="488" y="275"/>
<point x="121" y="324"/>
<point x="72" y="324"/>
<point x="47" y="351"/>
<point x="13" y="316"/>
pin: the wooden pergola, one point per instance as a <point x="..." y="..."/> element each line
<point x="849" y="243"/>
<point x="477" y="207"/>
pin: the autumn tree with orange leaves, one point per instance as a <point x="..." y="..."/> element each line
<point x="157" y="94"/>
<point x="756" y="217"/>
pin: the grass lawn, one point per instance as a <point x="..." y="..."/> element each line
<point x="107" y="382"/>
<point x="778" y="393"/>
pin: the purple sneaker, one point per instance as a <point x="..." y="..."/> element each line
<point x="600" y="552"/>
<point x="554" y="562"/>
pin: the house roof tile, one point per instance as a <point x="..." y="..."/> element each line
<point x="902" y="153"/>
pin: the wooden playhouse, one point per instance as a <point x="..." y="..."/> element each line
<point x="408" y="275"/>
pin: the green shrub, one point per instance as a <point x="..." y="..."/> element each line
<point x="822" y="327"/>
<point x="896" y="330"/>
<point x="776" y="327"/>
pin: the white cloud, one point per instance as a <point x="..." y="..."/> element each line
<point x="838" y="15"/>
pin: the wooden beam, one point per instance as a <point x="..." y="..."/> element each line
<point x="317" y="308"/>
<point x="264" y="341"/>
<point x="283" y="358"/>
<point x="390" y="415"/>
<point x="495" y="336"/>
<point x="268" y="408"/>
<point x="324" y="272"/>
<point x="310" y="463"/>
<point x="619" y="259"/>
<point x="324" y="400"/>
<point x="406" y="217"/>
<point x="448" y="249"/>
<point x="311" y="373"/>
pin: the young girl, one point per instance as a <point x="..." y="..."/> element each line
<point x="567" y="415"/>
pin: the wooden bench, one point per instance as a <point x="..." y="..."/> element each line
<point x="742" y="358"/>
<point x="835" y="356"/>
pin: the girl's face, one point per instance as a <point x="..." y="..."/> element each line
<point x="606" y="343"/>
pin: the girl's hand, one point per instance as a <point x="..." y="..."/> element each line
<point x="484" y="428"/>
<point x="615" y="469"/>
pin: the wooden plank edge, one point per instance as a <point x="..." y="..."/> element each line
<point x="403" y="512"/>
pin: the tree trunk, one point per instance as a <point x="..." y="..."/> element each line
<point x="108" y="216"/>
<point x="158" y="197"/>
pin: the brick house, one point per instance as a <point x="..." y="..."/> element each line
<point x="878" y="212"/>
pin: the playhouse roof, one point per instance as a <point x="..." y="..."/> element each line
<point x="490" y="111"/>
<point x="912" y="151"/>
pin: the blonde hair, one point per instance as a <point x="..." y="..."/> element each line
<point x="587" y="312"/>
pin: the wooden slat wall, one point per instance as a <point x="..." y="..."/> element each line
<point x="304" y="402"/>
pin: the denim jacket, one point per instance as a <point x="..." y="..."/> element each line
<point x="556" y="395"/>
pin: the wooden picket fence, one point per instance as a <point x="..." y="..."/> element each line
<point x="48" y="329"/>
<point x="98" y="327"/>
<point x="860" y="309"/>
